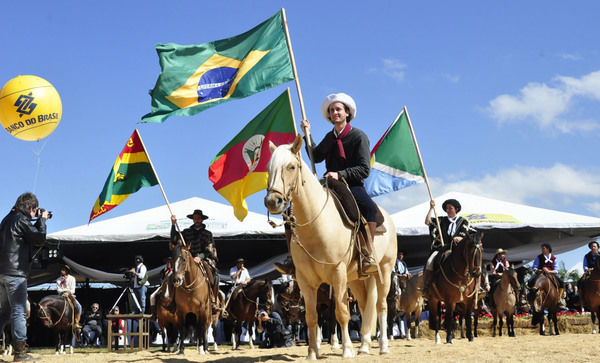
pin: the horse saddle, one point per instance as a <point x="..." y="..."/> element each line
<point x="553" y="279"/>
<point x="346" y="204"/>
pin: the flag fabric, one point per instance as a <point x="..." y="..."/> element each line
<point x="131" y="171"/>
<point x="240" y="169"/>
<point x="196" y="77"/>
<point x="394" y="160"/>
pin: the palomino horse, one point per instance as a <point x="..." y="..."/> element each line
<point x="57" y="312"/>
<point x="547" y="297"/>
<point x="323" y="249"/>
<point x="590" y="294"/>
<point x="411" y="302"/>
<point x="505" y="300"/>
<point x="192" y="298"/>
<point x="456" y="281"/>
<point x="244" y="304"/>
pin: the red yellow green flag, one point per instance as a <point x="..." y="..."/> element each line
<point x="131" y="171"/>
<point x="240" y="169"/>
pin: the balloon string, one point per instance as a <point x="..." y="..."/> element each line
<point x="37" y="167"/>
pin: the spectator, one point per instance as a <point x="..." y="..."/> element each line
<point x="92" y="329"/>
<point x="118" y="326"/>
<point x="140" y="284"/>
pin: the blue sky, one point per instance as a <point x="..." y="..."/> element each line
<point x="503" y="96"/>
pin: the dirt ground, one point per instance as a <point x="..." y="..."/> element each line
<point x="526" y="347"/>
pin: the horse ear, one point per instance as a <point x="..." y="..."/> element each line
<point x="272" y="146"/>
<point x="297" y="144"/>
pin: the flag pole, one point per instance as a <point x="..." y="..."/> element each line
<point x="159" y="183"/>
<point x="293" y="61"/>
<point x="412" y="134"/>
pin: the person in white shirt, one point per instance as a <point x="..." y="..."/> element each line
<point x="140" y="284"/>
<point x="65" y="286"/>
<point x="239" y="274"/>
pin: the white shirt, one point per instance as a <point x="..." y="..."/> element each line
<point x="243" y="277"/>
<point x="140" y="272"/>
<point x="65" y="283"/>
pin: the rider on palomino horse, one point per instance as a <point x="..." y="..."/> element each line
<point x="346" y="152"/>
<point x="499" y="264"/>
<point x="454" y="229"/>
<point x="202" y="247"/>
<point x="545" y="261"/>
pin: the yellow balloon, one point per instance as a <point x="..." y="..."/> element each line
<point x="30" y="108"/>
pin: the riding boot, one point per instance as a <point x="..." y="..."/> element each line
<point x="287" y="267"/>
<point x="21" y="353"/>
<point x="427" y="277"/>
<point x="368" y="263"/>
<point x="214" y="301"/>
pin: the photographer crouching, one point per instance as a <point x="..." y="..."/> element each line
<point x="276" y="335"/>
<point x="17" y="237"/>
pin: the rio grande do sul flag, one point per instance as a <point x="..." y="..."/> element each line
<point x="240" y="169"/>
<point x="130" y="172"/>
<point x="196" y="77"/>
<point x="394" y="160"/>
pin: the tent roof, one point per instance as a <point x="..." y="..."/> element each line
<point x="487" y="213"/>
<point x="156" y="222"/>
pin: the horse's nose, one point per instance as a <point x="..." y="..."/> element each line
<point x="274" y="203"/>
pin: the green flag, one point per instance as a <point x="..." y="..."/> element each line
<point x="394" y="161"/>
<point x="197" y="77"/>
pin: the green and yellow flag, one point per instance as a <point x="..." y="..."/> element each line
<point x="131" y="171"/>
<point x="196" y="77"/>
<point x="240" y="169"/>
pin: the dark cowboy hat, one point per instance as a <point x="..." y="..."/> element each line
<point x="197" y="212"/>
<point x="66" y="268"/>
<point x="453" y="202"/>
<point x="240" y="260"/>
<point x="139" y="258"/>
<point x="590" y="244"/>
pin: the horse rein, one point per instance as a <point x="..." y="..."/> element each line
<point x="189" y="287"/>
<point x="46" y="317"/>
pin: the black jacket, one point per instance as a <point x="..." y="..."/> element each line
<point x="356" y="166"/>
<point x="17" y="237"/>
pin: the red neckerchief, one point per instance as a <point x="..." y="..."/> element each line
<point x="339" y="138"/>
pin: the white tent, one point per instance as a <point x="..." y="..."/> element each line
<point x="519" y="228"/>
<point x="155" y="222"/>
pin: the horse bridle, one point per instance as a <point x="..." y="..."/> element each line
<point x="190" y="286"/>
<point x="46" y="317"/>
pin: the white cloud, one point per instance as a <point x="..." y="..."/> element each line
<point x="559" y="187"/>
<point x="390" y="67"/>
<point x="549" y="106"/>
<point x="451" y="78"/>
<point x="571" y="57"/>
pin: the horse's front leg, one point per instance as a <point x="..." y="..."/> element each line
<point x="555" y="321"/>
<point x="468" y="325"/>
<point x="310" y="301"/>
<point x="501" y="324"/>
<point x="450" y="322"/>
<point x="250" y="326"/>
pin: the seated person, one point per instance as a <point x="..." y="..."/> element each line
<point x="93" y="325"/>
<point x="276" y="335"/>
<point x="165" y="289"/>
<point x="499" y="264"/>
<point x="590" y="258"/>
<point x="118" y="326"/>
<point x="545" y="261"/>
<point x="65" y="286"/>
<point x="239" y="274"/>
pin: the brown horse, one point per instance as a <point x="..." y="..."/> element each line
<point x="504" y="302"/>
<point x="412" y="301"/>
<point x="192" y="298"/>
<point x="167" y="318"/>
<point x="323" y="249"/>
<point x="456" y="281"/>
<point x="57" y="312"/>
<point x="590" y="294"/>
<point x="547" y="297"/>
<point x="244" y="304"/>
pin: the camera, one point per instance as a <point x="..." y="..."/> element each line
<point x="42" y="210"/>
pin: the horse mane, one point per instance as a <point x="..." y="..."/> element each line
<point x="50" y="297"/>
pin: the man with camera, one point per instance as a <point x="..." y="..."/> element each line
<point x="276" y="335"/>
<point x="140" y="284"/>
<point x="17" y="237"/>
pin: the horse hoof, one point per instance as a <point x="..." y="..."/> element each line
<point x="348" y="353"/>
<point x="336" y="346"/>
<point x="594" y="331"/>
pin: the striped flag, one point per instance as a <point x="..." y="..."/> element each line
<point x="394" y="160"/>
<point x="240" y="169"/>
<point x="131" y="171"/>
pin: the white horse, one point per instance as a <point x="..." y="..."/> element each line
<point x="323" y="250"/>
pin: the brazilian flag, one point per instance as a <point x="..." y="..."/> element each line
<point x="196" y="77"/>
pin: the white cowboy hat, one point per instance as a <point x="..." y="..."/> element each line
<point x="338" y="97"/>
